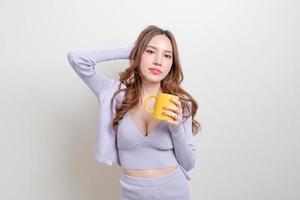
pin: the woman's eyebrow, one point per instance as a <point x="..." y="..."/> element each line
<point x="157" y="48"/>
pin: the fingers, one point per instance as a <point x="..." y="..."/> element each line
<point x="173" y="111"/>
<point x="171" y="114"/>
<point x="177" y="109"/>
<point x="172" y="108"/>
<point x="176" y="101"/>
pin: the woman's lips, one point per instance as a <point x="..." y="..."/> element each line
<point x="155" y="71"/>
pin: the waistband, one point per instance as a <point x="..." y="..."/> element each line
<point x="151" y="181"/>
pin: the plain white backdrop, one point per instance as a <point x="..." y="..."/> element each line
<point x="240" y="61"/>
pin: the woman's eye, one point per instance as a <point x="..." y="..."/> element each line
<point x="168" y="56"/>
<point x="149" y="51"/>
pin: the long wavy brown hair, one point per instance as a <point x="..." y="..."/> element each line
<point x="131" y="77"/>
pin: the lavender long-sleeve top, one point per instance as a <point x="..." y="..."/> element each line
<point x="167" y="145"/>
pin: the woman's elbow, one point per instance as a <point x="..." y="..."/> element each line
<point x="189" y="165"/>
<point x="71" y="56"/>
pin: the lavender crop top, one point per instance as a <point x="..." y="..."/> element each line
<point x="166" y="145"/>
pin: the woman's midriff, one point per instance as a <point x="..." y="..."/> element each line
<point x="149" y="173"/>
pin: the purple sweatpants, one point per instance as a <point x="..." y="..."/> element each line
<point x="172" y="186"/>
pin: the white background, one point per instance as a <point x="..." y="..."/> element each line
<point x="240" y="61"/>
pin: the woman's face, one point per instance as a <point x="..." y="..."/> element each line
<point x="157" y="59"/>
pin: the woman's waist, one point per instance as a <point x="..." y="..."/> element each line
<point x="149" y="173"/>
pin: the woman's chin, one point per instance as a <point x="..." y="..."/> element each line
<point x="153" y="80"/>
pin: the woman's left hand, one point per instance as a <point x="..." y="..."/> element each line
<point x="173" y="111"/>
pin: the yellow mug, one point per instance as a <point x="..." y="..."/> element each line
<point x="161" y="100"/>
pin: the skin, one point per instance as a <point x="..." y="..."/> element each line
<point x="158" y="53"/>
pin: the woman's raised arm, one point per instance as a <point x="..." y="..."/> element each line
<point x="83" y="61"/>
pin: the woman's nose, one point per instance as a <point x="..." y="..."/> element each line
<point x="157" y="61"/>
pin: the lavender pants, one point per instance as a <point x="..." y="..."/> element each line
<point x="172" y="186"/>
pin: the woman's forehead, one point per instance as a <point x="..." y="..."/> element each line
<point x="161" y="42"/>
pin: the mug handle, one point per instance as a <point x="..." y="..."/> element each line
<point x="146" y="103"/>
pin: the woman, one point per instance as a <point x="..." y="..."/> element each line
<point x="155" y="155"/>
